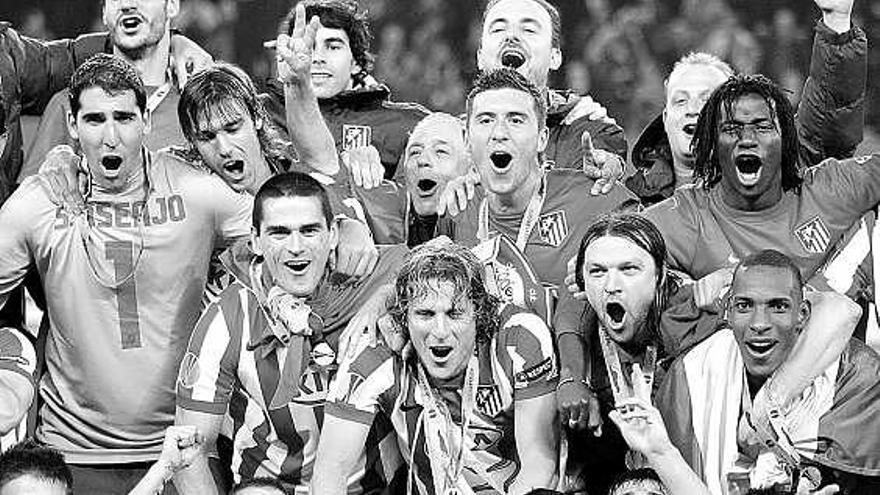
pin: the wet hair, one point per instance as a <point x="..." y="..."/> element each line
<point x="633" y="477"/>
<point x="222" y="91"/>
<point x="344" y="15"/>
<point x="441" y="260"/>
<point x="260" y="482"/>
<point x="700" y="58"/>
<point x="555" y="21"/>
<point x="774" y="259"/>
<point x="721" y="103"/>
<point x="32" y="458"/>
<point x="504" y="78"/>
<point x="640" y="231"/>
<point x="110" y="73"/>
<point x="290" y="185"/>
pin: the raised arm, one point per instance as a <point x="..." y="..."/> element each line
<point x="306" y="126"/>
<point x="831" y="112"/>
<point x="196" y="478"/>
<point x="17" y="367"/>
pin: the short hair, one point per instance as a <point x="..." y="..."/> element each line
<point x="555" y="20"/>
<point x="260" y="482"/>
<point x="441" y="117"/>
<point x="441" y="260"/>
<point x="223" y="90"/>
<point x="644" y="234"/>
<point x="289" y="185"/>
<point x="110" y="73"/>
<point x="32" y="458"/>
<point x="772" y="258"/>
<point x="705" y="140"/>
<point x="634" y="476"/>
<point x="503" y="78"/>
<point x="700" y="58"/>
<point x="344" y="15"/>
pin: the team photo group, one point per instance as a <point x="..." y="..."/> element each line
<point x="213" y="284"/>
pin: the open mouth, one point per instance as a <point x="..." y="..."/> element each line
<point x="235" y="167"/>
<point x="500" y="159"/>
<point x="426" y="187"/>
<point x="760" y="348"/>
<point x="690" y="129"/>
<point x="297" y="266"/>
<point x="111" y="163"/>
<point x="748" y="169"/>
<point x="130" y="22"/>
<point x="441" y="352"/>
<point x="512" y="58"/>
<point x="616" y="315"/>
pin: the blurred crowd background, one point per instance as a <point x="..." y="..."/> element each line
<point x="617" y="50"/>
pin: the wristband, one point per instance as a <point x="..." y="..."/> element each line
<point x="571" y="379"/>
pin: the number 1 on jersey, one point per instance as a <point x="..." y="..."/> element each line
<point x="120" y="253"/>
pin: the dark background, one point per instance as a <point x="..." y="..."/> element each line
<point x="618" y="50"/>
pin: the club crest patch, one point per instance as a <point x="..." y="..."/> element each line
<point x="814" y="236"/>
<point x="488" y="400"/>
<point x="356" y="136"/>
<point x="553" y="228"/>
<point x="189" y="372"/>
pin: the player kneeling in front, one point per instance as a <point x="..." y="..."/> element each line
<point x="473" y="406"/>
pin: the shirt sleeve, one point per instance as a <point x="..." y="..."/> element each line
<point x="529" y="348"/>
<point x="675" y="220"/>
<point x="362" y="385"/>
<point x="17" y="354"/>
<point x="16" y="220"/>
<point x="847" y="188"/>
<point x="209" y="368"/>
<point x="233" y="212"/>
<point x="43" y="67"/>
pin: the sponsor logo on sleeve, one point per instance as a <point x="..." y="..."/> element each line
<point x="535" y="372"/>
<point x="189" y="372"/>
<point x="813" y="236"/>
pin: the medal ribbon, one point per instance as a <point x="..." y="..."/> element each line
<point x="530" y="217"/>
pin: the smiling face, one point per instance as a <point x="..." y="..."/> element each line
<point x="137" y="25"/>
<point x="227" y="140"/>
<point x="333" y="64"/>
<point x="295" y="242"/>
<point x="687" y="91"/>
<point x="505" y="137"/>
<point x="435" y="154"/>
<point x="620" y="279"/>
<point x="519" y="34"/>
<point x="766" y="312"/>
<point x="749" y="151"/>
<point x="442" y="328"/>
<point x="110" y="129"/>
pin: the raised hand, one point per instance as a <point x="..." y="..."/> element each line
<point x="294" y="53"/>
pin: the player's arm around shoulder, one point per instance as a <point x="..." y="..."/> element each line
<point x="17" y="380"/>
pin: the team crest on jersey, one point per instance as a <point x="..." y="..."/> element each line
<point x="189" y="371"/>
<point x="814" y="236"/>
<point x="313" y="386"/>
<point x="553" y="228"/>
<point x="356" y="136"/>
<point x="489" y="400"/>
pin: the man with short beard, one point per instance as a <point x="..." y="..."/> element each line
<point x="830" y="116"/>
<point x="140" y="33"/>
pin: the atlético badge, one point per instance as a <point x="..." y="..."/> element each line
<point x="553" y="228"/>
<point x="813" y="235"/>
<point x="356" y="136"/>
<point x="489" y="400"/>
